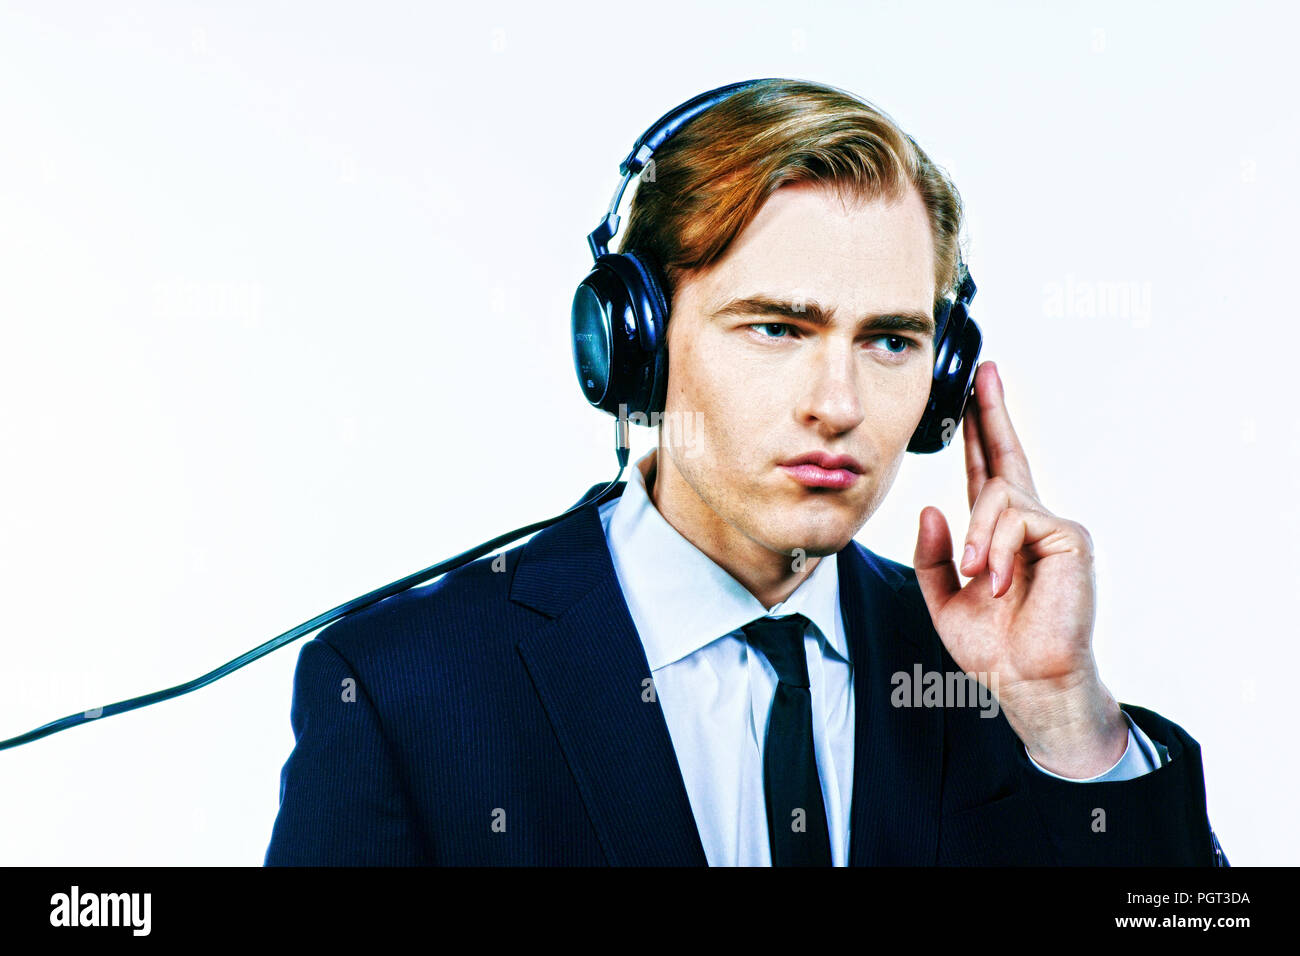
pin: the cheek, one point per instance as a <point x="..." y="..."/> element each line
<point x="919" y="394"/>
<point x="705" y="378"/>
<point x="895" y="401"/>
<point x="702" y="412"/>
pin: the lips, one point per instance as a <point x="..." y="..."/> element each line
<point x="827" y="461"/>
<point x="819" y="469"/>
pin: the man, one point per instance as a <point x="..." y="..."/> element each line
<point x="708" y="668"/>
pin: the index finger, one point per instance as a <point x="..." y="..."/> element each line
<point x="977" y="470"/>
<point x="1003" y="453"/>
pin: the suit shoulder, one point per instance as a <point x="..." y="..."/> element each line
<point x="902" y="571"/>
<point x="895" y="573"/>
<point x="902" y="579"/>
<point x="467" y="607"/>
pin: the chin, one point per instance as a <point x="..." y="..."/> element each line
<point x="816" y="538"/>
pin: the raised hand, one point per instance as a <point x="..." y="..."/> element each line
<point x="1027" y="613"/>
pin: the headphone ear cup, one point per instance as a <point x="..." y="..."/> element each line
<point x="955" y="360"/>
<point x="654" y="330"/>
<point x="619" y="316"/>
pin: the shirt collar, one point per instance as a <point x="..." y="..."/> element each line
<point x="680" y="599"/>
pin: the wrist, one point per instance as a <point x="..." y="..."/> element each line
<point x="1076" y="732"/>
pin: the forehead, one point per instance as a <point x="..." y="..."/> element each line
<point x="852" y="255"/>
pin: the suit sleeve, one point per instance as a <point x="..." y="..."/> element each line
<point x="342" y="801"/>
<point x="1156" y="819"/>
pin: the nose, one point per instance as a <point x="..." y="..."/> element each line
<point x="830" y="399"/>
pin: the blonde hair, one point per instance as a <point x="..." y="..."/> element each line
<point x="711" y="178"/>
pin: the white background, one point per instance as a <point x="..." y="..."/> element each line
<point x="285" y="299"/>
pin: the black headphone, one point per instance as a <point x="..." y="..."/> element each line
<point x="620" y="313"/>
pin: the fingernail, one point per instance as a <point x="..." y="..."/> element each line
<point x="993" y="576"/>
<point x="968" y="556"/>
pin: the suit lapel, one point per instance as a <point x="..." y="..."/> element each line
<point x="589" y="668"/>
<point x="897" y="751"/>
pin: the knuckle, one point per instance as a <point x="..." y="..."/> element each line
<point x="1010" y="517"/>
<point x="1085" y="535"/>
<point x="1005" y="531"/>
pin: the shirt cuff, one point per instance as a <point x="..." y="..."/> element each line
<point x="1141" y="756"/>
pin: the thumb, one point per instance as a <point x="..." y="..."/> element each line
<point x="935" y="571"/>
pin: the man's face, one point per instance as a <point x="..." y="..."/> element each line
<point x="770" y="384"/>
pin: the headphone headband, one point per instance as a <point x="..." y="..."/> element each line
<point x="667" y="125"/>
<point x="658" y="133"/>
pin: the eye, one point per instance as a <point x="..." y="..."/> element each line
<point x="773" y="325"/>
<point x="902" y="344"/>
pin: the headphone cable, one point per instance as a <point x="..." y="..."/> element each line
<point x="326" y="617"/>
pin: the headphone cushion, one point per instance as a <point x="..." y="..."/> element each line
<point x="647" y="267"/>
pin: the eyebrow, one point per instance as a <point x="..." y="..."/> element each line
<point x="907" y="320"/>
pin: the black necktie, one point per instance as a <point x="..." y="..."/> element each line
<point x="796" y="816"/>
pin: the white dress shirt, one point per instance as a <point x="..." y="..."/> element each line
<point x="716" y="696"/>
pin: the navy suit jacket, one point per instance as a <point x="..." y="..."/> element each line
<point x="498" y="716"/>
